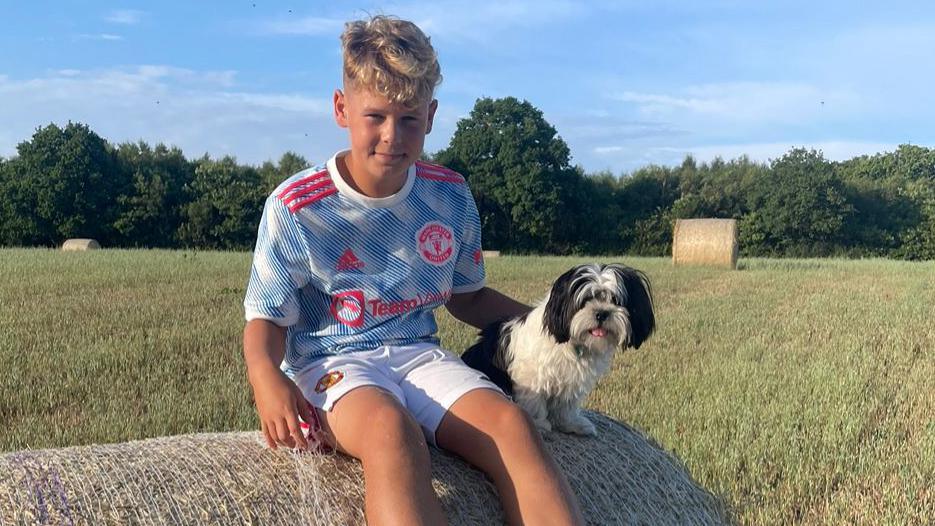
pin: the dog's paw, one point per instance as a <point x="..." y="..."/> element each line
<point x="578" y="426"/>
<point x="543" y="425"/>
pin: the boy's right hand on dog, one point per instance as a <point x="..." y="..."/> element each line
<point x="279" y="403"/>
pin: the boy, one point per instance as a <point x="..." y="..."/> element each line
<point x="351" y="259"/>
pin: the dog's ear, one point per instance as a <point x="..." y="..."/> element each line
<point x="639" y="303"/>
<point x="560" y="308"/>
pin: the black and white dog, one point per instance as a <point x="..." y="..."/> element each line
<point x="550" y="358"/>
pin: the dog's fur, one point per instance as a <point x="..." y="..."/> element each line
<point x="550" y="358"/>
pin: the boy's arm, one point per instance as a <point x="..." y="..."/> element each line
<point x="278" y="400"/>
<point x="484" y="306"/>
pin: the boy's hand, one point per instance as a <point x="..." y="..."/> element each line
<point x="279" y="403"/>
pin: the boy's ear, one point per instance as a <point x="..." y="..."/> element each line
<point x="340" y="108"/>
<point x="432" y="107"/>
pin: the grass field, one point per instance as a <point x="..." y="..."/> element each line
<point x="800" y="391"/>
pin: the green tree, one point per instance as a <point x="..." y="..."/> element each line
<point x="645" y="200"/>
<point x="519" y="172"/>
<point x="889" y="205"/>
<point x="17" y="220"/>
<point x="226" y="202"/>
<point x="289" y="164"/>
<point x="717" y="189"/>
<point x="918" y="242"/>
<point x="70" y="182"/>
<point x="151" y="213"/>
<point x="799" y="209"/>
<point x="596" y="227"/>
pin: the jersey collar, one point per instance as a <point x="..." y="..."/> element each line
<point x="374" y="202"/>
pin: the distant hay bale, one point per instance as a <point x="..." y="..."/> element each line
<point x="705" y="242"/>
<point x="80" y="244"/>
<point x="491" y="254"/>
<point x="620" y="477"/>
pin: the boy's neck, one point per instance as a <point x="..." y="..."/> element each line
<point x="370" y="187"/>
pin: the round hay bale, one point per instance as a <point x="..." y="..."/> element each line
<point x="80" y="245"/>
<point x="620" y="477"/>
<point x="705" y="242"/>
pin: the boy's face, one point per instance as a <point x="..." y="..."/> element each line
<point x="386" y="138"/>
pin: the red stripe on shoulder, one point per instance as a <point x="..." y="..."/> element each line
<point x="295" y="206"/>
<point x="303" y="181"/>
<point x="306" y="191"/>
<point x="435" y="172"/>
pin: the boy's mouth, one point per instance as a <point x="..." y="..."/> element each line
<point x="389" y="160"/>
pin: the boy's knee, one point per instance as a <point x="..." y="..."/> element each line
<point x="511" y="423"/>
<point x="393" y="429"/>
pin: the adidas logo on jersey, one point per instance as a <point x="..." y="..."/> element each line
<point x="349" y="261"/>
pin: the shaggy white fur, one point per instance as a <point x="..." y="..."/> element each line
<point x="551" y="358"/>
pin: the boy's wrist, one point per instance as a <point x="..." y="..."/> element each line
<point x="261" y="371"/>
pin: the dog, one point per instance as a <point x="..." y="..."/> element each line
<point x="550" y="358"/>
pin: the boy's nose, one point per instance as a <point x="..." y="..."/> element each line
<point x="391" y="133"/>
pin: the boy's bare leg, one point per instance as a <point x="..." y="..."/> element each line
<point x="495" y="435"/>
<point x="368" y="423"/>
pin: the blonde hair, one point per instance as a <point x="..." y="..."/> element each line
<point x="392" y="58"/>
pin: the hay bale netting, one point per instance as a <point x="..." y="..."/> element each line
<point x="705" y="242"/>
<point x="80" y="245"/>
<point x="620" y="477"/>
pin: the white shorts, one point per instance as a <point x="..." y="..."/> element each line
<point x="425" y="379"/>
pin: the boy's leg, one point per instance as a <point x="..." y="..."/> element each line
<point x="494" y="434"/>
<point x="370" y="424"/>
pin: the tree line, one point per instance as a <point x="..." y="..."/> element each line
<point x="67" y="182"/>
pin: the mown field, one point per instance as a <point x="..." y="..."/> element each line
<point x="800" y="391"/>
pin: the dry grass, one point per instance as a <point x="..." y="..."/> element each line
<point x="800" y="390"/>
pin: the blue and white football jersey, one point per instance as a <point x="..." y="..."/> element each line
<point x="347" y="272"/>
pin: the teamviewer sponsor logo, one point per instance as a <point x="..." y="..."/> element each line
<point x="348" y="308"/>
<point x="380" y="308"/>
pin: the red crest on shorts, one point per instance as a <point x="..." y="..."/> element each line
<point x="435" y="243"/>
<point x="328" y="380"/>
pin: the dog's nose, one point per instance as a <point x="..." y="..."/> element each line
<point x="601" y="315"/>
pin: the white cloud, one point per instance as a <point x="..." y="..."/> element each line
<point x="99" y="36"/>
<point x="765" y="103"/>
<point x="124" y="16"/>
<point x="198" y="111"/>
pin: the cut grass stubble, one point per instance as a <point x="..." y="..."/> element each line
<point x="798" y="390"/>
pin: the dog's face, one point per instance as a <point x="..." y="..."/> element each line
<point x="601" y="307"/>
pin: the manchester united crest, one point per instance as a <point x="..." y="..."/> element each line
<point x="328" y="380"/>
<point x="435" y="243"/>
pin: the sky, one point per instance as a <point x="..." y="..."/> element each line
<point x="625" y="83"/>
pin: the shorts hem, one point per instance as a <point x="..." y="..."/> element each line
<point x="433" y="417"/>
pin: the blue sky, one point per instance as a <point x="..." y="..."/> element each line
<point x="625" y="83"/>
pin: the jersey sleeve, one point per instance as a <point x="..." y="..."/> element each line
<point x="280" y="267"/>
<point x="470" y="274"/>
